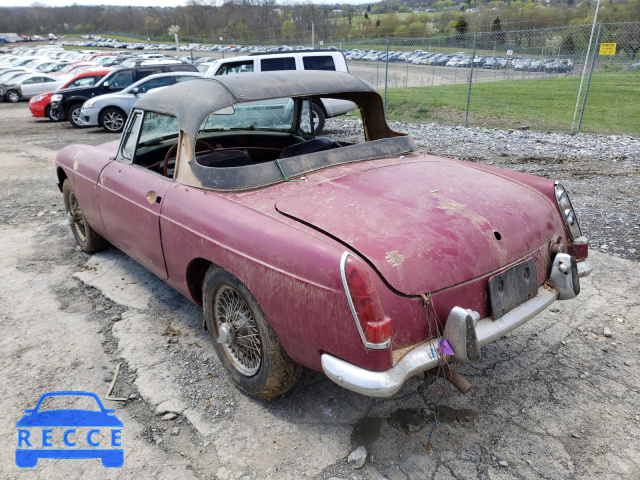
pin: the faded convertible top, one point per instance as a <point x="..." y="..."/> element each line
<point x="192" y="101"/>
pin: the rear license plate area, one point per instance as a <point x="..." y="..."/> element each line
<point x="513" y="287"/>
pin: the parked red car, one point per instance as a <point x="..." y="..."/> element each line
<point x="39" y="105"/>
<point x="370" y="262"/>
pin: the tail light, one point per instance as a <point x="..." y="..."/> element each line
<point x="373" y="325"/>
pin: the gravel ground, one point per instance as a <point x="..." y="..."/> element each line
<point x="600" y="172"/>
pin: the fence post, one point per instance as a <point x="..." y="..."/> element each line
<point x="593" y="62"/>
<point x="386" y="77"/>
<point x="406" y="80"/>
<point x="473" y="58"/>
<point x="584" y="70"/>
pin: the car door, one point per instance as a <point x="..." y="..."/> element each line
<point x="29" y="86"/>
<point x="130" y="199"/>
<point x="46" y="85"/>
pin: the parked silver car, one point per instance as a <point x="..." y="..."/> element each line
<point x="23" y="87"/>
<point x="110" y="111"/>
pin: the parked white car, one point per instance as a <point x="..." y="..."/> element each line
<point x="110" y="111"/>
<point x="24" y="87"/>
<point x="292" y="60"/>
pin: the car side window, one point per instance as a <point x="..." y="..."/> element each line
<point x="182" y="78"/>
<point x="131" y="137"/>
<point x="83" y="82"/>
<point x="145" y="72"/>
<point x="155" y="83"/>
<point x="320" y="62"/>
<point x="121" y="79"/>
<point x="278" y="63"/>
<point x="181" y="68"/>
<point x="236" y="67"/>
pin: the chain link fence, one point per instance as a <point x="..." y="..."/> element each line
<point x="529" y="78"/>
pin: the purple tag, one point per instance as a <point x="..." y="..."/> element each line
<point x="445" y="348"/>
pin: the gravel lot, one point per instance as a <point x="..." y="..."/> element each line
<point x="555" y="399"/>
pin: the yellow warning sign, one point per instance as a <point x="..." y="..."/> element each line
<point x="607" y="49"/>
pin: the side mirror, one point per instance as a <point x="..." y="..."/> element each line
<point x="106" y="85"/>
<point x="135" y="91"/>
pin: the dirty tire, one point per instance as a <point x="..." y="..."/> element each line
<point x="87" y="238"/>
<point x="12" y="96"/>
<point x="266" y="371"/>
<point x="73" y="114"/>
<point x="317" y="115"/>
<point x="52" y="117"/>
<point x="112" y="120"/>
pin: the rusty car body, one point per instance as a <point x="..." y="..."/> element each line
<point x="371" y="262"/>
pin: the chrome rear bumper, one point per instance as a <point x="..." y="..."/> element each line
<point x="425" y="356"/>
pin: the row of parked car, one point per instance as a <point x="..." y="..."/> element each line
<point x="462" y="59"/>
<point x="93" y="94"/>
<point x="84" y="88"/>
<point x="92" y="41"/>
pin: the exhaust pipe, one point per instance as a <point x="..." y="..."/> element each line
<point x="451" y="376"/>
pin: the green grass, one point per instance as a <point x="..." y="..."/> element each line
<point x="546" y="104"/>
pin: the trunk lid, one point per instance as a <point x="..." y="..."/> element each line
<point x="428" y="224"/>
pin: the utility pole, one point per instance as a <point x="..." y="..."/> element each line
<point x="313" y="37"/>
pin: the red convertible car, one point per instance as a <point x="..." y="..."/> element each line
<point x="368" y="261"/>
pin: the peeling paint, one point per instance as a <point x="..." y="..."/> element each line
<point x="394" y="258"/>
<point x="151" y="197"/>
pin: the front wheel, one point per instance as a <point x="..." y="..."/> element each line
<point x="54" y="117"/>
<point x="244" y="341"/>
<point x="112" y="119"/>
<point x="87" y="238"/>
<point x="12" y="96"/>
<point x="73" y="114"/>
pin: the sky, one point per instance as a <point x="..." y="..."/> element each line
<point x="132" y="3"/>
<point x="64" y="3"/>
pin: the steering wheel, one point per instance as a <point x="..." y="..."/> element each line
<point x="171" y="156"/>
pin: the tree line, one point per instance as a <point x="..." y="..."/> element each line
<point x="265" y="22"/>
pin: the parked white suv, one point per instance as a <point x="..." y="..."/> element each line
<point x="292" y="60"/>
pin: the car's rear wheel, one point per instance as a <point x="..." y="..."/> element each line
<point x="318" y="119"/>
<point x="244" y="341"/>
<point x="73" y="114"/>
<point x="12" y="96"/>
<point x="112" y="119"/>
<point x="87" y="238"/>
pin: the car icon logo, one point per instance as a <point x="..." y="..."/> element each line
<point x="69" y="433"/>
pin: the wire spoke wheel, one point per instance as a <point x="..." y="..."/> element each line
<point x="243" y="339"/>
<point x="241" y="336"/>
<point x="77" y="218"/>
<point x="88" y="239"/>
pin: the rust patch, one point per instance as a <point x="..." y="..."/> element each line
<point x="394" y="258"/>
